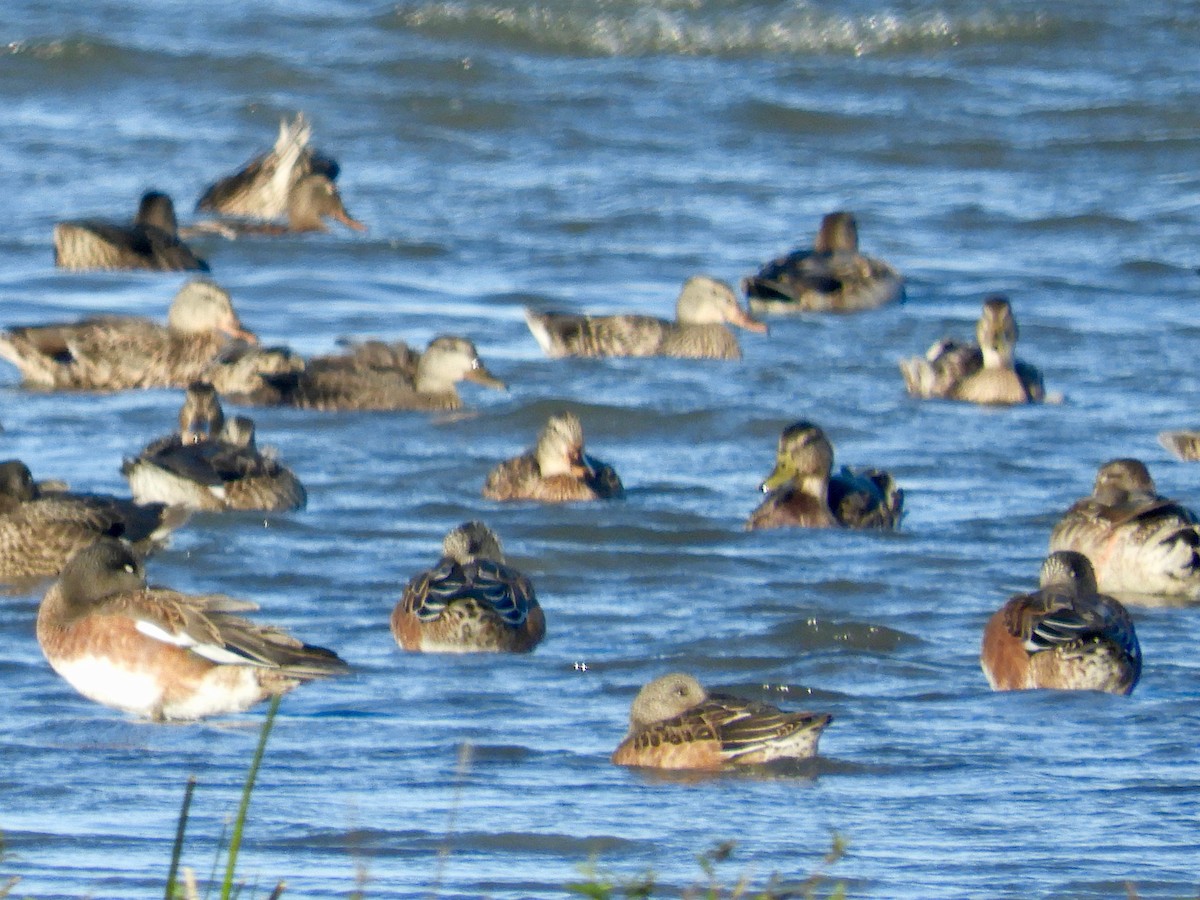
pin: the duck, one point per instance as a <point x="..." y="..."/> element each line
<point x="1139" y="543"/>
<point x="472" y="601"/>
<point x="240" y="370"/>
<point x="556" y="470"/>
<point x="986" y="373"/>
<point x="311" y="200"/>
<point x="263" y="188"/>
<point x="1065" y="636"/>
<point x="151" y="241"/>
<point x="112" y="353"/>
<point x="1184" y="445"/>
<point x="675" y="723"/>
<point x="212" y="464"/>
<point x="161" y="654"/>
<point x="802" y="491"/>
<point x="351" y="382"/>
<point x="43" y="524"/>
<point x="831" y="277"/>
<point x="704" y="305"/>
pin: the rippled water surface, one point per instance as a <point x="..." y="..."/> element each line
<point x="591" y="156"/>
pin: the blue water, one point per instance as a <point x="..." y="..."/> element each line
<point x="592" y="156"/>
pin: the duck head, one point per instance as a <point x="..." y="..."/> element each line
<point x="314" y="198"/>
<point x="449" y="360"/>
<point x="200" y="417"/>
<point x="665" y="698"/>
<point x="996" y="333"/>
<point x="559" y="448"/>
<point x="1068" y="569"/>
<point x="804" y="459"/>
<point x="472" y="541"/>
<point x="202" y="307"/>
<point x="709" y="301"/>
<point x="838" y="234"/>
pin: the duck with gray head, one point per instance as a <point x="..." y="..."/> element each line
<point x="556" y="470"/>
<point x="699" y="331"/>
<point x="110" y="353"/>
<point x="832" y="276"/>
<point x="151" y="241"/>
<point x="162" y="654"/>
<point x="41" y="528"/>
<point x="212" y="464"/>
<point x="802" y="490"/>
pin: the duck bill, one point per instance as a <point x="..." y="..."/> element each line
<point x="777" y="479"/>
<point x="581" y="467"/>
<point x="743" y="319"/>
<point x="480" y="375"/>
<point x="233" y="328"/>
<point x="346" y="219"/>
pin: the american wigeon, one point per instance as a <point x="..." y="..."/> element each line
<point x="264" y="187"/>
<point x="471" y="601"/>
<point x="802" y="490"/>
<point x="212" y="463"/>
<point x="698" y="332"/>
<point x="556" y="470"/>
<point x="41" y="526"/>
<point x="832" y="276"/>
<point x="360" y="380"/>
<point x="110" y="353"/>
<point x="150" y="241"/>
<point x="159" y="653"/>
<point x="1139" y="542"/>
<point x="987" y="372"/>
<point x="676" y="724"/>
<point x="1065" y="635"/>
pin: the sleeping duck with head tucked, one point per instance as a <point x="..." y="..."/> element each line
<point x="110" y="353"/>
<point x="832" y="276"/>
<point x="557" y="470"/>
<point x="699" y="331"/>
<point x="1139" y="542"/>
<point x="985" y="373"/>
<point x="151" y="241"/>
<point x="803" y="492"/>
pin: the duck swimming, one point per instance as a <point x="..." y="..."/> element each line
<point x="556" y="470"/>
<point x="698" y="332"/>
<point x="162" y="654"/>
<point x="802" y="491"/>
<point x="310" y="201"/>
<point x="986" y="373"/>
<point x="831" y="277"/>
<point x="356" y="381"/>
<point x="1138" y="542"/>
<point x="471" y="601"/>
<point x="111" y="353"/>
<point x="212" y="464"/>
<point x="264" y="187"/>
<point x="1064" y="636"/>
<point x="675" y="723"/>
<point x="41" y="527"/>
<point x="150" y="241"/>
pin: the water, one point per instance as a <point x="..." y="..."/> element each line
<point x="592" y="156"/>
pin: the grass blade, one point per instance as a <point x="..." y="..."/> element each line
<point x="235" y="840"/>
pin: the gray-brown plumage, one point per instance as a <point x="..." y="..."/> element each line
<point x="803" y="492"/>
<point x="1140" y="543"/>
<point x="150" y="241"/>
<point x="832" y="276"/>
<point x="471" y="601"/>
<point x="41" y="528"/>
<point x="355" y="381"/>
<point x="1066" y="635"/>
<point x="215" y="470"/>
<point x="987" y="372"/>
<point x="263" y="187"/>
<point x="675" y="723"/>
<point x="698" y="332"/>
<point x="556" y="470"/>
<point x="311" y="200"/>
<point x="163" y="654"/>
<point x="112" y="353"/>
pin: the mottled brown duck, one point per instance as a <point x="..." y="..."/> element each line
<point x="556" y="470"/>
<point x="699" y="331"/>
<point x="110" y="353"/>
<point x="151" y="241"/>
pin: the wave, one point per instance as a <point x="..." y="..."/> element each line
<point x="700" y="28"/>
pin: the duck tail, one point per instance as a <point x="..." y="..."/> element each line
<point x="541" y="333"/>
